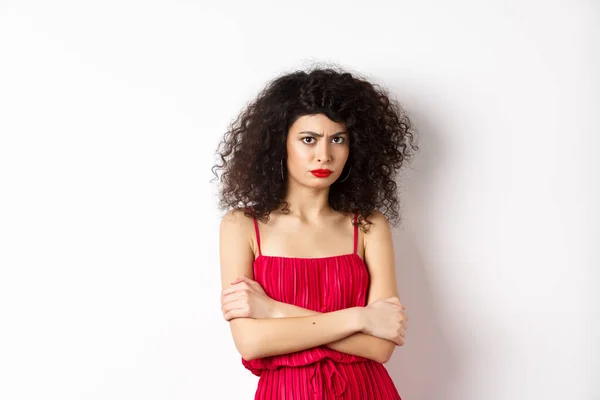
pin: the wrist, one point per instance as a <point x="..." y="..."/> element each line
<point x="360" y="318"/>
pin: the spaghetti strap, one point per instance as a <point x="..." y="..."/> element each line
<point x="355" y="234"/>
<point x="256" y="231"/>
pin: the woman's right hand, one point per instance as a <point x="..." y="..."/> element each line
<point x="386" y="319"/>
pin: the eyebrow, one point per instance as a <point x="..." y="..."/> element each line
<point x="321" y="135"/>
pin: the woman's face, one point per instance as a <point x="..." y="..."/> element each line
<point x="316" y="143"/>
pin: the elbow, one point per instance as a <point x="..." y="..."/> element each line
<point x="243" y="338"/>
<point x="385" y="357"/>
<point x="248" y="356"/>
<point x="249" y="353"/>
<point x="386" y="352"/>
<point x="247" y="348"/>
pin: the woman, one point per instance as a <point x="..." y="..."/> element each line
<point x="311" y="299"/>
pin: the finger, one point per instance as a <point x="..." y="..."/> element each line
<point x="238" y="279"/>
<point x="232" y="289"/>
<point x="247" y="280"/>
<point x="394" y="300"/>
<point x="226" y="308"/>
<point x="236" y="287"/>
<point x="396" y="303"/>
<point x="231" y="305"/>
<point x="231" y="297"/>
<point x="237" y="313"/>
<point x="241" y="296"/>
<point x="404" y="316"/>
<point x="401" y="337"/>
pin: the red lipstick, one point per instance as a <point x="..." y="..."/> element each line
<point x="321" y="173"/>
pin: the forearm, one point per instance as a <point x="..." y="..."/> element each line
<point x="364" y="345"/>
<point x="274" y="336"/>
<point x="358" y="344"/>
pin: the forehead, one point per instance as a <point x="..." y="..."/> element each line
<point x="317" y="123"/>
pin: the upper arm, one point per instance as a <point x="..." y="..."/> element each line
<point x="236" y="259"/>
<point x="235" y="247"/>
<point x="379" y="258"/>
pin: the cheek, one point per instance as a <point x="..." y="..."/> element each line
<point x="297" y="151"/>
<point x="343" y="153"/>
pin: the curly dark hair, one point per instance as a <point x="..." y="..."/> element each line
<point x="253" y="150"/>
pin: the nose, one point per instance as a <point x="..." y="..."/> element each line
<point x="323" y="152"/>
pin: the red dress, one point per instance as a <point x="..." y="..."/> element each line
<point x="322" y="284"/>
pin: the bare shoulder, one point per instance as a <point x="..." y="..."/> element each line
<point x="235" y="224"/>
<point x="379" y="218"/>
<point x="380" y="225"/>
<point x="234" y="217"/>
<point x="236" y="247"/>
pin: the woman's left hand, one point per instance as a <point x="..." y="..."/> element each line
<point x="246" y="298"/>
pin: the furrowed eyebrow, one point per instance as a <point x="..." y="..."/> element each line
<point x="321" y="135"/>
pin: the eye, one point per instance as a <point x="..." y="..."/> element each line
<point x="342" y="140"/>
<point x="307" y="137"/>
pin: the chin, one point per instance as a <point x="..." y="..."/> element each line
<point x="322" y="183"/>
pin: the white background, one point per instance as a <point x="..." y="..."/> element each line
<point x="110" y="113"/>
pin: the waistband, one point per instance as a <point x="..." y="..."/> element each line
<point x="325" y="372"/>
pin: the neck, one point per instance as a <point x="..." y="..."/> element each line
<point x="307" y="203"/>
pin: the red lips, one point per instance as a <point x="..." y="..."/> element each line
<point x="321" y="173"/>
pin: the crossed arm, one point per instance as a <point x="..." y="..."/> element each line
<point x="298" y="328"/>
<point x="358" y="344"/>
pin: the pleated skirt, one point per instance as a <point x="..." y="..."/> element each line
<point x="327" y="380"/>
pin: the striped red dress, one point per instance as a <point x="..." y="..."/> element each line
<point x="322" y="284"/>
